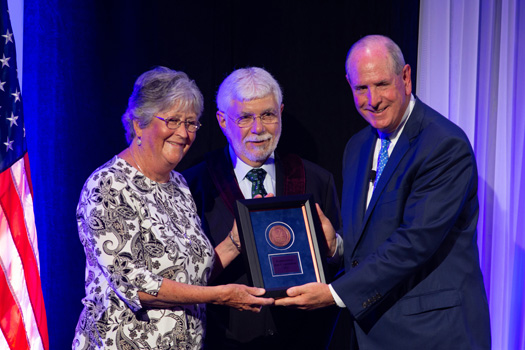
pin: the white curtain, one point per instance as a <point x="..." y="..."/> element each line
<point x="471" y="68"/>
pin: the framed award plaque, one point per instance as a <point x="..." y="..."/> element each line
<point x="282" y="242"/>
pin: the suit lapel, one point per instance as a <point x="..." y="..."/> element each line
<point x="411" y="131"/>
<point x="290" y="175"/>
<point x="279" y="176"/>
<point x="401" y="148"/>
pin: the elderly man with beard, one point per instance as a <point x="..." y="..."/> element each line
<point x="249" y="103"/>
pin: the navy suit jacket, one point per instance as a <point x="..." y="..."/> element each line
<point x="412" y="278"/>
<point x="277" y="327"/>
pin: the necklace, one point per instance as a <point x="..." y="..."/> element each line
<point x="186" y="238"/>
<point x="132" y="156"/>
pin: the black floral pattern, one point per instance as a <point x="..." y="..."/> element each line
<point x="135" y="232"/>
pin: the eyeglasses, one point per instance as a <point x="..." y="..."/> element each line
<point x="174" y="123"/>
<point x="246" y="121"/>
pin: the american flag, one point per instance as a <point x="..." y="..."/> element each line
<point x="23" y="323"/>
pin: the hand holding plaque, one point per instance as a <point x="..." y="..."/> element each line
<point x="282" y="243"/>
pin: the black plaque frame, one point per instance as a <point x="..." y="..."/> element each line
<point x="308" y="243"/>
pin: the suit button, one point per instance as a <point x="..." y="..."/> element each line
<point x="355" y="263"/>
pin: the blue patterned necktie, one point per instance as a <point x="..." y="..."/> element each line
<point x="383" y="158"/>
<point x="256" y="176"/>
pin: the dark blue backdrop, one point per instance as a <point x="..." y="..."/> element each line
<point x="82" y="57"/>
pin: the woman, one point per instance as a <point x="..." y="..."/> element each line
<point x="147" y="259"/>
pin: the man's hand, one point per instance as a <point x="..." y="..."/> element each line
<point x="329" y="232"/>
<point x="307" y="297"/>
<point x="269" y="195"/>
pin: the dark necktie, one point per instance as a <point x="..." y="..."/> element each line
<point x="256" y="176"/>
<point x="383" y="158"/>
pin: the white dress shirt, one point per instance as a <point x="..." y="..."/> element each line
<point x="393" y="141"/>
<point x="241" y="169"/>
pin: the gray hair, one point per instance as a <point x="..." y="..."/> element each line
<point x="396" y="56"/>
<point x="247" y="84"/>
<point x="159" y="90"/>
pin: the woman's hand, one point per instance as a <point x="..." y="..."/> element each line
<point x="242" y="297"/>
<point x="173" y="293"/>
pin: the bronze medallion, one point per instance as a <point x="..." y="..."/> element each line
<point x="279" y="235"/>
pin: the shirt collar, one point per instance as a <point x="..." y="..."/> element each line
<point x="395" y="135"/>
<point x="241" y="168"/>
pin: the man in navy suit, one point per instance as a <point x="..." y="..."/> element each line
<point x="249" y="103"/>
<point x="410" y="209"/>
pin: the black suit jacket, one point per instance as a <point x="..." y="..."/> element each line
<point x="274" y="327"/>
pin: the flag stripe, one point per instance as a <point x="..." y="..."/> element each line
<point x="25" y="197"/>
<point x="12" y="267"/>
<point x="18" y="172"/>
<point x="12" y="263"/>
<point x="14" y="214"/>
<point x="11" y="318"/>
<point x="3" y="341"/>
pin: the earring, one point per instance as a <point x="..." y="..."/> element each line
<point x="139" y="141"/>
